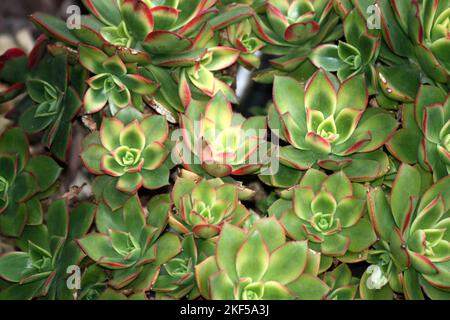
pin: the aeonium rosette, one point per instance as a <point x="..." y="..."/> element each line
<point x="130" y="149"/>
<point x="24" y="181"/>
<point x="218" y="142"/>
<point x="47" y="252"/>
<point x="125" y="26"/>
<point x="425" y="133"/>
<point x="342" y="283"/>
<point x="413" y="227"/>
<point x="329" y="211"/>
<point x="327" y="123"/>
<point x="56" y="101"/>
<point x="291" y="30"/>
<point x="356" y="55"/>
<point x="203" y="207"/>
<point x="131" y="243"/>
<point x="260" y="264"/>
<point x="419" y="30"/>
<point x="114" y="82"/>
<point x="177" y="276"/>
<point x="241" y="36"/>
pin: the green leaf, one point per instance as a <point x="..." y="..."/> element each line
<point x="324" y="203"/>
<point x="114" y="66"/>
<point x="276" y="291"/>
<point x="22" y="292"/>
<point x="58" y="219"/>
<point x="54" y="27"/>
<point x="138" y="18"/>
<point x="252" y="259"/>
<point x="15" y="141"/>
<point x="361" y="235"/>
<point x="80" y="220"/>
<point x="349" y="211"/>
<point x="105" y="10"/>
<point x="288" y="96"/>
<point x="155" y="179"/>
<point x="219" y="113"/>
<point x="110" y="133"/>
<point x="130" y="182"/>
<point x="94" y="100"/>
<point x="133" y="136"/>
<point x="339" y="185"/>
<point x="352" y="94"/>
<point x="154" y="155"/>
<point x="271" y="231"/>
<point x="32" y="124"/>
<point x="139" y="84"/>
<point x="302" y="198"/>
<point x="167" y="247"/>
<point x="45" y="170"/>
<point x="399" y="82"/>
<point x="320" y="94"/>
<point x="430" y="215"/>
<point x="165" y="42"/>
<point x="165" y="16"/>
<point x="204" y="192"/>
<point x="301" y="31"/>
<point x="233" y="15"/>
<point x="221" y="58"/>
<point x="12" y="265"/>
<point x="133" y="215"/>
<point x="228" y="244"/>
<point x="287" y="262"/>
<point x="203" y="272"/>
<point x="221" y="287"/>
<point x="92" y="58"/>
<point x="8" y="169"/>
<point x="326" y="56"/>
<point x="155" y="129"/>
<point x="405" y="192"/>
<point x="97" y="246"/>
<point x="308" y="287"/>
<point x="335" y="245"/>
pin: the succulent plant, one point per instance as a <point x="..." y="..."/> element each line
<point x="418" y="30"/>
<point x="260" y="264"/>
<point x="343" y="285"/>
<point x="177" y="277"/>
<point x="335" y="186"/>
<point x="24" y="181"/>
<point x="202" y="207"/>
<point x="131" y="149"/>
<point x="114" y="83"/>
<point x="167" y="37"/>
<point x="241" y="36"/>
<point x="200" y="76"/>
<point x="425" y="133"/>
<point x="126" y="26"/>
<point x="40" y="269"/>
<point x="291" y="30"/>
<point x="330" y="212"/>
<point x="56" y="102"/>
<point x="355" y="56"/>
<point x="132" y="245"/>
<point x="327" y="123"/>
<point x="413" y="228"/>
<point x="14" y="67"/>
<point x="219" y="142"/>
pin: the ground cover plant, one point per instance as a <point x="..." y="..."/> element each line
<point x="337" y="188"/>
